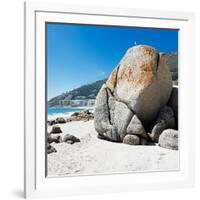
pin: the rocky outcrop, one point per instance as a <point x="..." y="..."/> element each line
<point x="81" y="116"/>
<point x="132" y="97"/>
<point x="169" y="139"/>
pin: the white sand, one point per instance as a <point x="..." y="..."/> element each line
<point x="94" y="156"/>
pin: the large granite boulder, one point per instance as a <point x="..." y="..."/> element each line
<point x="142" y="81"/>
<point x="169" y="139"/>
<point x="133" y="95"/>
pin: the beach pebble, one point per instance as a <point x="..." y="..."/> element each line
<point x="70" y="139"/>
<point x="169" y="139"/>
<point x="56" y="129"/>
<point x="50" y="149"/>
<point x="131" y="140"/>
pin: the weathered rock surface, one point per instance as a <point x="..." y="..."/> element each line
<point x="143" y="81"/>
<point x="169" y="139"/>
<point x="131" y="140"/>
<point x="120" y="118"/>
<point x="56" y="129"/>
<point x="102" y="117"/>
<point x="70" y="139"/>
<point x="165" y="120"/>
<point x="133" y="95"/>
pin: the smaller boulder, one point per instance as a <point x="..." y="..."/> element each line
<point x="50" y="149"/>
<point x="131" y="140"/>
<point x="70" y="139"/>
<point x="165" y="120"/>
<point x="60" y="120"/>
<point x="169" y="139"/>
<point x="56" y="129"/>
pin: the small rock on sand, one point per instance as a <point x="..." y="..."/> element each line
<point x="70" y="139"/>
<point x="56" y="129"/>
<point x="60" y="120"/>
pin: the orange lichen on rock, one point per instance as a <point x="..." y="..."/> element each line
<point x="139" y="76"/>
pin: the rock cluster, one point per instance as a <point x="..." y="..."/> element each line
<point x="138" y="102"/>
<point x="57" y="137"/>
<point x="81" y="116"/>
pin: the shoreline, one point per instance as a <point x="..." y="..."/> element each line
<point x="67" y="114"/>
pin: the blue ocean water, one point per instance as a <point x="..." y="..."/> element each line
<point x="63" y="112"/>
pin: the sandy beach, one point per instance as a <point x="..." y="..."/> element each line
<point x="94" y="156"/>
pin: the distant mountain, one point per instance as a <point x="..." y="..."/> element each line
<point x="81" y="95"/>
<point x="84" y="92"/>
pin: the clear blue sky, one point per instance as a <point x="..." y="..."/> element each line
<point x="81" y="54"/>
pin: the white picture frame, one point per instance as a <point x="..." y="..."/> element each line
<point x="35" y="182"/>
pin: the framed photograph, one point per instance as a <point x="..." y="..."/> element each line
<point x="109" y="100"/>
